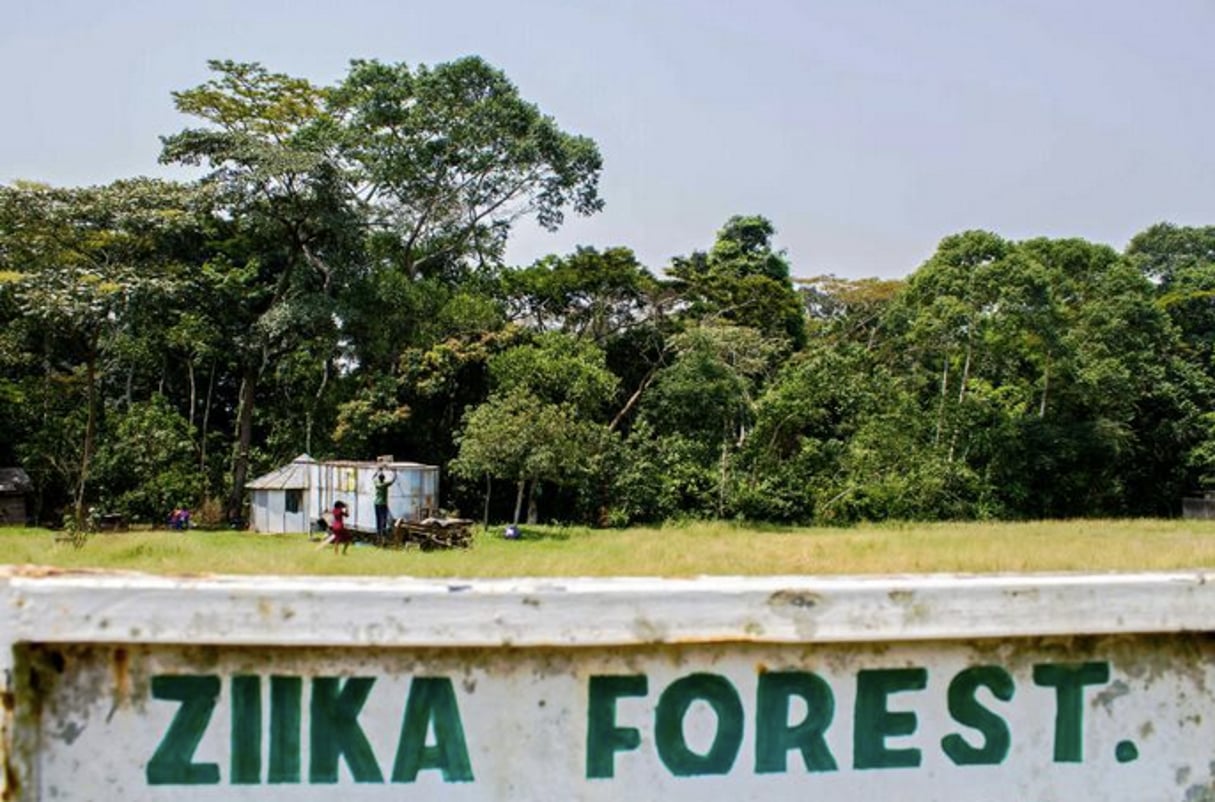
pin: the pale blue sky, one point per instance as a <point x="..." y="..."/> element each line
<point x="865" y="130"/>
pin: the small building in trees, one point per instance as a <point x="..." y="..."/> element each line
<point x="15" y="487"/>
<point x="293" y="497"/>
<point x="1201" y="508"/>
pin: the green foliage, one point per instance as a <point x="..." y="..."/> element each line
<point x="450" y="156"/>
<point x="847" y="310"/>
<point x="586" y="294"/>
<point x="709" y="389"/>
<point x="1165" y="253"/>
<point x="519" y="437"/>
<point x="83" y="264"/>
<point x="1049" y="368"/>
<point x="805" y="422"/>
<point x="557" y="369"/>
<point x="659" y="478"/>
<point x="370" y="417"/>
<point x="741" y="280"/>
<point x="145" y="465"/>
<point x="334" y="284"/>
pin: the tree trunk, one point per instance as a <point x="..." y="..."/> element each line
<point x="721" y="489"/>
<point x="90" y="435"/>
<point x="953" y="435"/>
<point x="519" y="501"/>
<point x="240" y="458"/>
<point x="202" y="436"/>
<point x="489" y="489"/>
<point x="1045" y="389"/>
<point x="533" y="512"/>
<point x="633" y="399"/>
<point x="193" y="390"/>
<point x="936" y="441"/>
<point x="316" y="403"/>
<point x="966" y="369"/>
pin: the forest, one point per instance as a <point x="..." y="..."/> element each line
<point x="335" y="283"/>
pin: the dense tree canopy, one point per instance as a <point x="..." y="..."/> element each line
<point x="335" y="284"/>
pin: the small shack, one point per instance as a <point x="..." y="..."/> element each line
<point x="1199" y="508"/>
<point x="15" y="487"/>
<point x="291" y="498"/>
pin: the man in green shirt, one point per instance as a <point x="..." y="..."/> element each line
<point x="381" y="502"/>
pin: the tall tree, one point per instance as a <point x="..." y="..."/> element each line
<point x="806" y="420"/>
<point x="520" y="437"/>
<point x="557" y="369"/>
<point x="83" y="263"/>
<point x="591" y="294"/>
<point x="295" y="237"/>
<point x="742" y="280"/>
<point x="707" y="395"/>
<point x="1047" y="367"/>
<point x="1180" y="261"/>
<point x="447" y="158"/>
<point x="848" y="310"/>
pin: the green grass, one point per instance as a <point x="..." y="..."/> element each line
<point x="678" y="550"/>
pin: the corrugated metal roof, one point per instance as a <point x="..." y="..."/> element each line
<point x="292" y="476"/>
<point x="15" y="480"/>
<point x="366" y="463"/>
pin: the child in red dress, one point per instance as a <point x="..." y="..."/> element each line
<point x="341" y="536"/>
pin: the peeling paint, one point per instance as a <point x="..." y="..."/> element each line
<point x="647" y="631"/>
<point x="527" y="702"/>
<point x="1106" y="697"/>
<point x="797" y="599"/>
<point x="1200" y="793"/>
<point x="1126" y="662"/>
<point x="11" y="779"/>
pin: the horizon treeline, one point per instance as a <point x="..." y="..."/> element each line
<point x="335" y="284"/>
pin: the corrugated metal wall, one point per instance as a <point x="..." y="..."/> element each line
<point x="414" y="494"/>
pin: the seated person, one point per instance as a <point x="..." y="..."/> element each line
<point x="179" y="519"/>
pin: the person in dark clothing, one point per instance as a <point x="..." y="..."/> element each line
<point x="382" y="483"/>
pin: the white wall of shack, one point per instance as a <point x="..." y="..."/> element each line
<point x="268" y="509"/>
<point x="415" y="488"/>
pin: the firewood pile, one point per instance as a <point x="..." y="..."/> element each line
<point x="432" y="533"/>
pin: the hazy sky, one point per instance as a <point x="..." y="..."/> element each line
<point x="865" y="130"/>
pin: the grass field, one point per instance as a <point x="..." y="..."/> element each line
<point x="678" y="550"/>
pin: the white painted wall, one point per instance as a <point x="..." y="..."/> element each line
<point x="416" y="487"/>
<point x="268" y="510"/>
<point x="520" y="661"/>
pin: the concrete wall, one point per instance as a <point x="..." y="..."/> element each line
<point x="1004" y="689"/>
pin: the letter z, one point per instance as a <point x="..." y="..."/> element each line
<point x="172" y="763"/>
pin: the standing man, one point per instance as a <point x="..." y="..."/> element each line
<point x="381" y="503"/>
